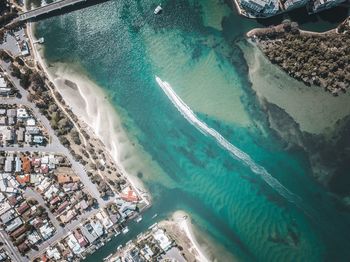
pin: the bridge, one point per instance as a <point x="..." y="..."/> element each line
<point x="46" y="9"/>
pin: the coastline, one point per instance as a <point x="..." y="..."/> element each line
<point x="86" y="103"/>
<point x="179" y="226"/>
<point x="281" y="45"/>
<point x="87" y="121"/>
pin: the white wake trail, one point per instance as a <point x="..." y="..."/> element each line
<point x="236" y="152"/>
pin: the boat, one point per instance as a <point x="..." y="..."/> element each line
<point x="158" y="10"/>
<point x="125" y="230"/>
<point x="154" y="216"/>
<point x="138" y="219"/>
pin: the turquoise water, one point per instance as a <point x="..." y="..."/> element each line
<point x="122" y="47"/>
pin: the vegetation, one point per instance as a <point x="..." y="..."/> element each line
<point x="319" y="59"/>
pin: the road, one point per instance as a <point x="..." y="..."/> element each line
<point x="48" y="8"/>
<point x="53" y="147"/>
<point x="11" y="250"/>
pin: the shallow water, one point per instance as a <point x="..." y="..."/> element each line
<point x="122" y="47"/>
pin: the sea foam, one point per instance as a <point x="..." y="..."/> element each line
<point x="238" y="154"/>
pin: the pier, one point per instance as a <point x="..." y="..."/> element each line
<point x="49" y="8"/>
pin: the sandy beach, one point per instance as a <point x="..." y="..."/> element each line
<point x="180" y="228"/>
<point x="90" y="105"/>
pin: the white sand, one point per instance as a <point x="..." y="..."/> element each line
<point x="89" y="104"/>
<point x="184" y="222"/>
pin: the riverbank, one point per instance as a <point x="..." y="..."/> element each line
<point x="91" y="111"/>
<point x="180" y="229"/>
<point x="319" y="59"/>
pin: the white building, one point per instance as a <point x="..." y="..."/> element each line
<point x="162" y="239"/>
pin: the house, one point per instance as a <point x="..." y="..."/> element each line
<point x="162" y="239"/>
<point x="44" y="169"/>
<point x="81" y="239"/>
<point x="26" y="165"/>
<point x="32" y="130"/>
<point x="8" y="164"/>
<point x="68" y="216"/>
<point x="24" y="48"/>
<point x="35" y="178"/>
<point x="55" y="200"/>
<point x="147" y="252"/>
<point x="33" y="238"/>
<point x="23" y="179"/>
<point x="11" y="121"/>
<point x="62" y="207"/>
<point x="37" y="223"/>
<point x="15" y="223"/>
<point x="11" y="112"/>
<point x="2" y="83"/>
<point x="22" y="113"/>
<point x="103" y="217"/>
<point x="20" y="134"/>
<point x="13" y="200"/>
<point x="50" y="192"/>
<point x="18" y="164"/>
<point x="4" y="207"/>
<point x="38" y="139"/>
<point x="52" y="161"/>
<point x="23" y="248"/>
<point x="97" y="227"/>
<point x="8" y="135"/>
<point x="8" y="184"/>
<point x="19" y="231"/>
<point x="3" y="120"/>
<point x="128" y="194"/>
<point x="89" y="233"/>
<point x="30" y="122"/>
<point x="44" y="185"/>
<point x="7" y="216"/>
<point x="73" y="244"/>
<point x="65" y="178"/>
<point x="53" y="253"/>
<point x="46" y="231"/>
<point x="3" y="112"/>
<point x="23" y="207"/>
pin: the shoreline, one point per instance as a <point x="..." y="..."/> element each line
<point x="92" y="130"/>
<point x="281" y="45"/>
<point x="183" y="222"/>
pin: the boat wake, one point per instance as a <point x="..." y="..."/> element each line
<point x="235" y="152"/>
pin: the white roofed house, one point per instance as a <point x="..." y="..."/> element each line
<point x="260" y="7"/>
<point x="320" y="5"/>
<point x="38" y="139"/>
<point x="4" y="89"/>
<point x="9" y="163"/>
<point x="162" y="239"/>
<point x="20" y="134"/>
<point x="18" y="164"/>
<point x="22" y="113"/>
<point x="74" y="245"/>
<point x="46" y="231"/>
<point x="8" y="184"/>
<point x="8" y="135"/>
<point x="15" y="223"/>
<point x="2" y="82"/>
<point x="53" y="253"/>
<point x="30" y="122"/>
<point x="291" y="4"/>
<point x="103" y="217"/>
